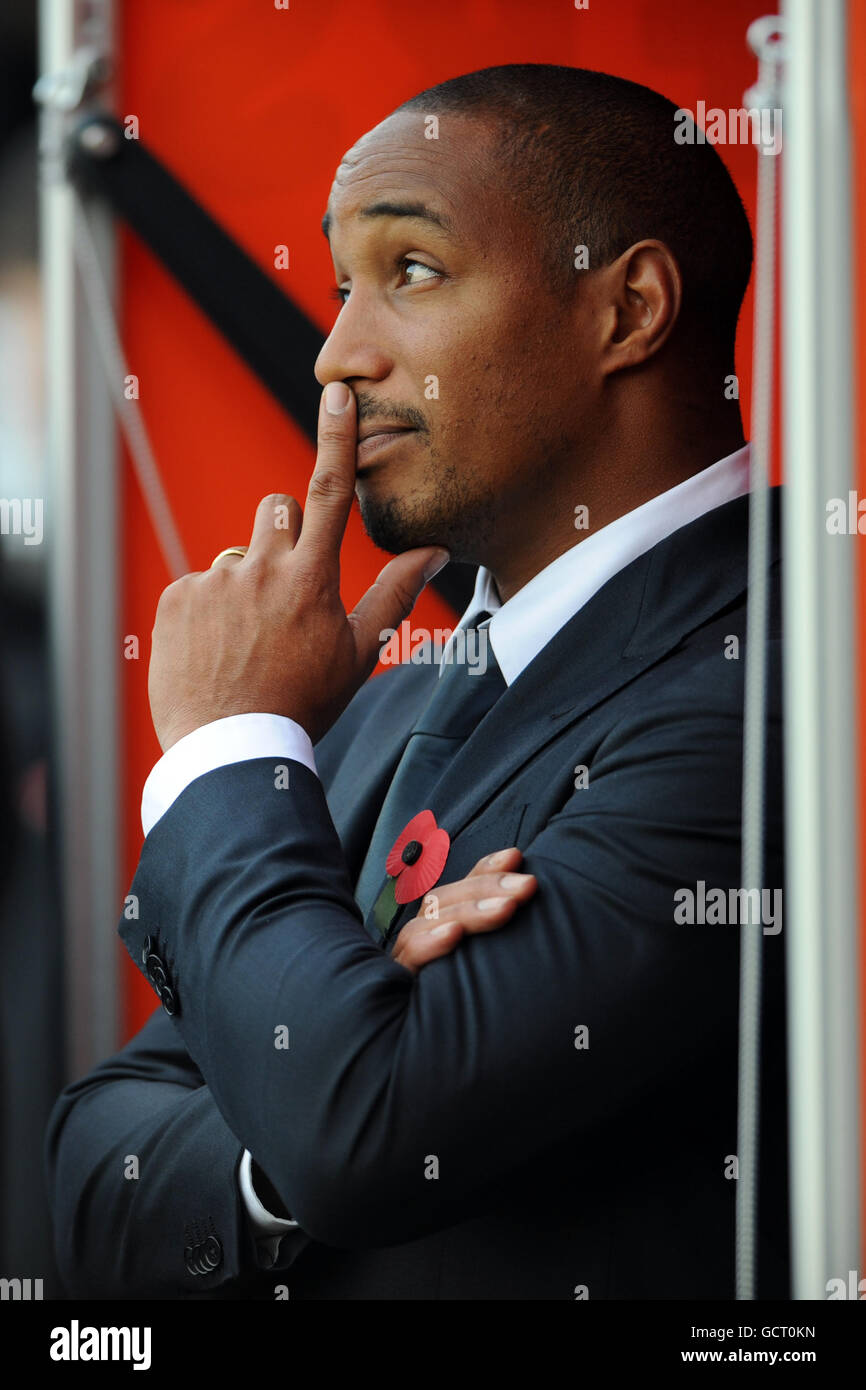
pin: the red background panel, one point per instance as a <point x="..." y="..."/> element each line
<point x="251" y="108"/>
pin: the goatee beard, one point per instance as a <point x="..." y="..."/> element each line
<point x="454" y="518"/>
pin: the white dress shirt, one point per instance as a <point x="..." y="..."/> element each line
<point x="519" y="629"/>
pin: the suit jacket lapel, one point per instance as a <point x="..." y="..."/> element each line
<point x="358" y="787"/>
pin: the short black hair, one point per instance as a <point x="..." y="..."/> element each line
<point x="595" y="159"/>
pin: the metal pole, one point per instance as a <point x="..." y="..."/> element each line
<point x="820" y="726"/>
<point x="766" y="39"/>
<point x="81" y="530"/>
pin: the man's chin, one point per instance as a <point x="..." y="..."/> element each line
<point x="393" y="530"/>
<point x="453" y="517"/>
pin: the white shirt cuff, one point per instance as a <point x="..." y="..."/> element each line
<point x="231" y="740"/>
<point x="268" y="1229"/>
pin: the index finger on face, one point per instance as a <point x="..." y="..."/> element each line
<point x="332" y="484"/>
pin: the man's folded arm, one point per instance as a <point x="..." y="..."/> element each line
<point x="381" y="1105"/>
<point x="222" y="741"/>
<point x="143" y="1179"/>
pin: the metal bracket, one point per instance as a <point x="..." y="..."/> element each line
<point x="767" y="38"/>
<point x="59" y="94"/>
<point x="70" y="87"/>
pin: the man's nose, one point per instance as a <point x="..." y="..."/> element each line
<point x="351" y="351"/>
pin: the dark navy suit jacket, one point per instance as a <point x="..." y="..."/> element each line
<point x="445" y="1136"/>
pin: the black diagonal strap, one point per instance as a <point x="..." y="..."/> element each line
<point x="466" y="689"/>
<point x="264" y="326"/>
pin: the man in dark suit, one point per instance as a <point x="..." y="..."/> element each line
<point x="540" y="1101"/>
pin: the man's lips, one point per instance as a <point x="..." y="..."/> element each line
<point x="375" y="442"/>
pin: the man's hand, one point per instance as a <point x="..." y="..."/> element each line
<point x="267" y="631"/>
<point x="460" y="908"/>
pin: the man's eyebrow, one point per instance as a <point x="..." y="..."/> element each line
<point x="416" y="210"/>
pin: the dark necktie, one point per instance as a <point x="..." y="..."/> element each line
<point x="461" y="698"/>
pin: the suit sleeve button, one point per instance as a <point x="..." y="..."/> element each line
<point x="154" y="963"/>
<point x="212" y="1253"/>
<point x="158" y="980"/>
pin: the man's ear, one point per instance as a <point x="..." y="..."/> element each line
<point x="643" y="291"/>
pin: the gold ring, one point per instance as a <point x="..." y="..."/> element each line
<point x="229" y="550"/>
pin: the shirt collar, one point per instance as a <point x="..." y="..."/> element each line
<point x="522" y="626"/>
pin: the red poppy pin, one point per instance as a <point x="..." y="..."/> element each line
<point x="414" y="863"/>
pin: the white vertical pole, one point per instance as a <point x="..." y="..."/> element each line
<point x="81" y="530"/>
<point x="820" y="691"/>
